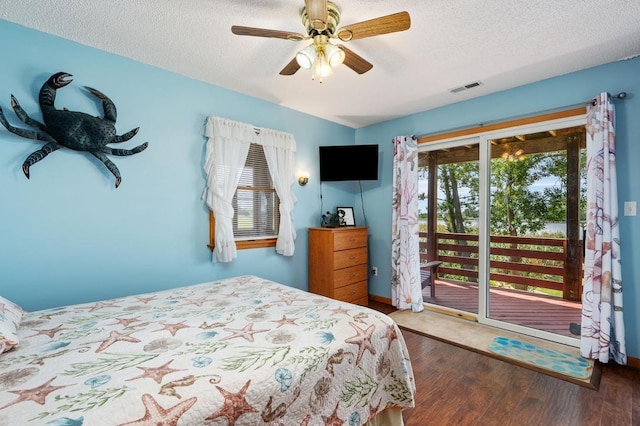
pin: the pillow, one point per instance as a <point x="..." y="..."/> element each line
<point x="10" y="316"/>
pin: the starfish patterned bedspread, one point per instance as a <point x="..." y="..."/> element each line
<point x="240" y="351"/>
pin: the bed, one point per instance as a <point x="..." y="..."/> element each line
<point x="239" y="351"/>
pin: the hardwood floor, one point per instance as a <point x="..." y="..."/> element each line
<point x="459" y="387"/>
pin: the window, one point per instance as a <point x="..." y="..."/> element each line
<point x="255" y="203"/>
<point x="262" y="219"/>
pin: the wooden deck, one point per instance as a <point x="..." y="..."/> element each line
<point x="532" y="310"/>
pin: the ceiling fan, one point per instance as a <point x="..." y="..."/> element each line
<point x="321" y="19"/>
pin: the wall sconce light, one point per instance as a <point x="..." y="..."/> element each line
<point x="303" y="179"/>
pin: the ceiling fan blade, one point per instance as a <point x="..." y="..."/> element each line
<point x="290" y="68"/>
<point x="383" y="25"/>
<point x="355" y="61"/>
<point x="261" y="32"/>
<point x="317" y="13"/>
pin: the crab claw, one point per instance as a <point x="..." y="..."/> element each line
<point x="118" y="181"/>
<point x="25" y="169"/>
<point x="58" y="81"/>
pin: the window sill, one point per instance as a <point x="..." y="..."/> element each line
<point x="251" y="244"/>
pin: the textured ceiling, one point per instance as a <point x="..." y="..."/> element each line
<point x="502" y="43"/>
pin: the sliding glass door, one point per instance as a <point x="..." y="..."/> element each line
<point x="449" y="187"/>
<point x="501" y="227"/>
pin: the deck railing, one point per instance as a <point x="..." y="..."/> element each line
<point x="523" y="262"/>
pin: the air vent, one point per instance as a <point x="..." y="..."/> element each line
<point x="465" y="87"/>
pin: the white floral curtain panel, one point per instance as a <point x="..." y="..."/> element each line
<point x="227" y="149"/>
<point x="602" y="333"/>
<point x="406" y="292"/>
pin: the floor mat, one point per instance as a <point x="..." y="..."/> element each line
<point x="479" y="338"/>
<point x="558" y="361"/>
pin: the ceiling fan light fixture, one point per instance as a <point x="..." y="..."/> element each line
<point x="306" y="57"/>
<point x="334" y="54"/>
<point x="321" y="66"/>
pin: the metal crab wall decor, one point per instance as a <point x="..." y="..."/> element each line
<point x="71" y="129"/>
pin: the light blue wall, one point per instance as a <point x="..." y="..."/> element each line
<point x="67" y="236"/>
<point x="531" y="99"/>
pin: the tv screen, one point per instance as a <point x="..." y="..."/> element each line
<point x="348" y="162"/>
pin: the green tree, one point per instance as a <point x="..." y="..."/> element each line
<point x="455" y="209"/>
<point x="516" y="207"/>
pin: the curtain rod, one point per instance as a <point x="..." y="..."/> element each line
<point x="620" y="95"/>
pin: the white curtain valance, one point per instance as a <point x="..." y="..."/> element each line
<point x="225" y="128"/>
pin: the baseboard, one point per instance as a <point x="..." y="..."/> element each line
<point x="631" y="362"/>
<point x="380" y="299"/>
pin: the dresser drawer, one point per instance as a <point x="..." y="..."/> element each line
<point x="350" y="239"/>
<point x="346" y="276"/>
<point x="346" y="258"/>
<point x="352" y="292"/>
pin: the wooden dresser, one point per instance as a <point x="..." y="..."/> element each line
<point x="338" y="266"/>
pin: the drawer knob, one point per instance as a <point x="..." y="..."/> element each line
<point x="352" y="257"/>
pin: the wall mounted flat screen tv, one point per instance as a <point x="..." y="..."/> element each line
<point x="348" y="162"/>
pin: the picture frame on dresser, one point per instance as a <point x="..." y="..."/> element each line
<point x="347" y="216"/>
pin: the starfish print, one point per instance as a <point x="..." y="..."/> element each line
<point x="233" y="294"/>
<point x="156" y="415"/>
<point x="101" y="305"/>
<point x="50" y="332"/>
<point x="156" y="373"/>
<point x="334" y="420"/>
<point x="234" y="406"/>
<point x="115" y="336"/>
<point x="146" y="300"/>
<point x="285" y="321"/>
<point x="390" y="334"/>
<point x="290" y="299"/>
<point x="126" y="321"/>
<point x="197" y="302"/>
<point x="340" y="310"/>
<point x="363" y="340"/>
<point x="173" y="328"/>
<point x="3" y="308"/>
<point x="246" y="332"/>
<point x="37" y="395"/>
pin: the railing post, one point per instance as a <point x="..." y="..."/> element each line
<point x="572" y="289"/>
<point x="432" y="207"/>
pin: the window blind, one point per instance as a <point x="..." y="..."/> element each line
<point x="255" y="202"/>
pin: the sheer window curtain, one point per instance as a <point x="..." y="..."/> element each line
<point x="227" y="148"/>
<point x="226" y="152"/>
<point x="406" y="292"/>
<point x="602" y="333"/>
<point x="279" y="150"/>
